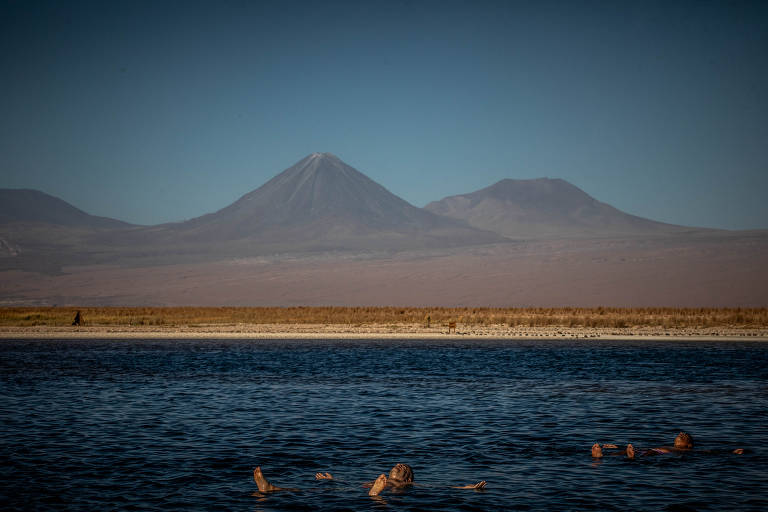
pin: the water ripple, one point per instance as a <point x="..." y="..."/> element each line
<point x="149" y="425"/>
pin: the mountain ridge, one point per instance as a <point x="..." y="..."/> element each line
<point x="318" y="205"/>
<point x="322" y="233"/>
<point x="308" y="189"/>
<point x="320" y="198"/>
<point x="544" y="207"/>
<point x="30" y="205"/>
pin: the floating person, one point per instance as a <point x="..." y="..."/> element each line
<point x="78" y="319"/>
<point x="400" y="477"/>
<point x="683" y="443"/>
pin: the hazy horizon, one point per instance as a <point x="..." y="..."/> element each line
<point x="157" y="112"/>
<point x="241" y="196"/>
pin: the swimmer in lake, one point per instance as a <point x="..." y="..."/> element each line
<point x="683" y="443"/>
<point x="400" y="477"/>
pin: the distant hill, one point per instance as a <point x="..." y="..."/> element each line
<point x="42" y="233"/>
<point x="321" y="203"/>
<point x="26" y="205"/>
<point x="544" y="208"/>
<point x="318" y="206"/>
<point x="323" y="233"/>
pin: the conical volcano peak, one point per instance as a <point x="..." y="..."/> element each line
<point x="323" y="155"/>
<point x="322" y="159"/>
<point x="321" y="201"/>
<point x="319" y="163"/>
<point x="317" y="187"/>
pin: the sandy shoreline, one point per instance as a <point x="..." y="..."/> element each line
<point x="374" y="331"/>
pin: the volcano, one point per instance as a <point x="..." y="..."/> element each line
<point x="544" y="208"/>
<point x="322" y="233"/>
<point x="321" y="203"/>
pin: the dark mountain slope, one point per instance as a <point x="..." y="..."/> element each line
<point x="26" y="205"/>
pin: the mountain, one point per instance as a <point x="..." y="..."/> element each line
<point x="321" y="203"/>
<point x="318" y="205"/>
<point x="544" y="208"/>
<point x="33" y="206"/>
<point x="42" y="233"/>
<point x="323" y="233"/>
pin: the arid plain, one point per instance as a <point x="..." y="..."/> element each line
<point x="369" y="322"/>
<point x="712" y="271"/>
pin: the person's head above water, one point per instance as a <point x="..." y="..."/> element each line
<point x="684" y="441"/>
<point x="401" y="473"/>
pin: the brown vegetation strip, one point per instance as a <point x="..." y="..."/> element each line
<point x="670" y="318"/>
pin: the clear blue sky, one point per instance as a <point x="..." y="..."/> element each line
<point x="161" y="111"/>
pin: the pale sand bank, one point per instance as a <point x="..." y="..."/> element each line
<point x="375" y="331"/>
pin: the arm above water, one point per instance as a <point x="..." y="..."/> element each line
<point x="737" y="451"/>
<point x="479" y="486"/>
<point x="328" y="476"/>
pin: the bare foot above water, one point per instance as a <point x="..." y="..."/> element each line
<point x="378" y="485"/>
<point x="264" y="485"/>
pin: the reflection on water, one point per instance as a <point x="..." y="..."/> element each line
<point x="181" y="424"/>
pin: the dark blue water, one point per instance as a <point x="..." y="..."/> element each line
<point x="180" y="424"/>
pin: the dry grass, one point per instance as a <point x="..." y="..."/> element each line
<point x="671" y="318"/>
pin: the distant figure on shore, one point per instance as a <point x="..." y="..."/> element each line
<point x="451" y="326"/>
<point x="78" y="319"/>
<point x="683" y="443"/>
<point x="400" y="476"/>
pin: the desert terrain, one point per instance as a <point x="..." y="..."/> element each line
<point x="704" y="271"/>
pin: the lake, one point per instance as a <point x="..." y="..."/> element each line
<point x="180" y="424"/>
